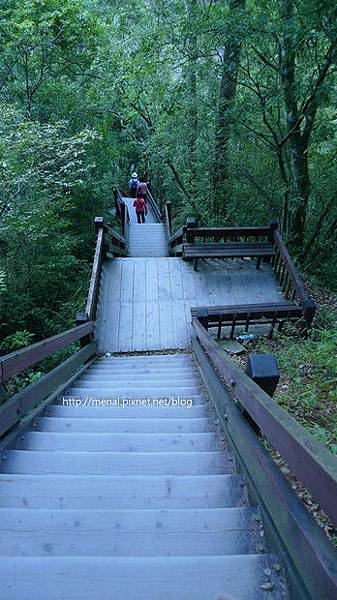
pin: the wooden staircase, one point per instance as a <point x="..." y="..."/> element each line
<point x="140" y="476"/>
<point x="134" y="501"/>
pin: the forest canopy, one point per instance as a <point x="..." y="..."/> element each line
<point x="227" y="107"/>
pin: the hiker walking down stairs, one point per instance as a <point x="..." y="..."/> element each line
<point x="141" y="207"/>
<point x="142" y="188"/>
<point x="133" y="185"/>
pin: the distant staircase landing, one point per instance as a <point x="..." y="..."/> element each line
<point x="145" y="304"/>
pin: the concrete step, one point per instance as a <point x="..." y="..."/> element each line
<point x="135" y="226"/>
<point x="133" y="532"/>
<point x="147" y="252"/>
<point x="131" y="412"/>
<point x="128" y="364"/>
<point x="119" y="442"/>
<point x="118" y="463"/>
<point x="155" y="359"/>
<point x="141" y="374"/>
<point x="128" y="492"/>
<point x="140" y="382"/>
<point x="148" y="238"/>
<point x="156" y="241"/>
<point x="125" y="425"/>
<point x="132" y="392"/>
<point x="138" y="578"/>
<point x="155" y="368"/>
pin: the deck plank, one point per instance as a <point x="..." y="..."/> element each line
<point x="162" y="290"/>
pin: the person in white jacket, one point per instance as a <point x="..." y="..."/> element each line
<point x="133" y="185"/>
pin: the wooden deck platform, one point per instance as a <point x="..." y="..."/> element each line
<point x="145" y="304"/>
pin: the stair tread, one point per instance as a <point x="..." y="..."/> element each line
<point x="132" y="412"/>
<point x="158" y="578"/>
<point x="61" y="491"/>
<point x="117" y="425"/>
<point x="165" y="463"/>
<point x="121" y="442"/>
<point x="120" y="532"/>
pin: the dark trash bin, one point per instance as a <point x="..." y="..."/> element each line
<point x="263" y="369"/>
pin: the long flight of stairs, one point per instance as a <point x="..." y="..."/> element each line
<point x="141" y="502"/>
<point x="147" y="239"/>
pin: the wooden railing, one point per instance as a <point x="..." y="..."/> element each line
<point x="226" y="234"/>
<point x="176" y="241"/>
<point x="125" y="219"/>
<point x="90" y="308"/>
<point x="246" y="315"/>
<point x="289" y="280"/>
<point x="191" y="233"/>
<point x="239" y="404"/>
<point x="285" y="272"/>
<point x="167" y="218"/>
<point x="16" y="407"/>
<point x="154" y="205"/>
<point x="310" y="461"/>
<point x="107" y="240"/>
<point x="118" y="201"/>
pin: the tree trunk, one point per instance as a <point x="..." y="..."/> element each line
<point x="192" y="106"/>
<point x="228" y="85"/>
<point x="298" y="143"/>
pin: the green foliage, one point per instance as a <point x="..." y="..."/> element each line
<point x="91" y="89"/>
<point x="308" y="388"/>
<point x="17" y="340"/>
<point x="55" y="170"/>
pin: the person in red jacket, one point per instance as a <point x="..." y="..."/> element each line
<point x="141" y="208"/>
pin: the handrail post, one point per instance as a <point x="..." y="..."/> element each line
<point x="123" y="211"/>
<point x="81" y="318"/>
<point x="169" y="215"/>
<point x="115" y="196"/>
<point x="273" y="226"/>
<point x="309" y="309"/>
<point x="99" y="224"/>
<point x="191" y="223"/>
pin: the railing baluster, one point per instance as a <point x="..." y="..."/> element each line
<point x="219" y="327"/>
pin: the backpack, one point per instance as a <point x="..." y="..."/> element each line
<point x="134" y="184"/>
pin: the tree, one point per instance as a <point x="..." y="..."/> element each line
<point x="227" y="93"/>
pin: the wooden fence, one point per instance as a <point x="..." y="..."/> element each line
<point x="310" y="461"/>
<point x="283" y="266"/>
<point x="290" y="529"/>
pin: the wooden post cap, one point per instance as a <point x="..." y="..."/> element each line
<point x="99" y="222"/>
<point x="192" y="222"/>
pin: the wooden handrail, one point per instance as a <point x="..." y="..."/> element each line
<point x="91" y="303"/>
<point x="315" y="466"/>
<point x="17" y="361"/>
<point x="167" y="217"/>
<point x="118" y="201"/>
<point x="115" y="237"/>
<point x="16" y="407"/>
<point x="154" y="205"/>
<point x="192" y="232"/>
<point x="107" y="238"/>
<point x="296" y="281"/>
<point x="230" y="231"/>
<point x="289" y="280"/>
<point x="125" y="218"/>
<point x="177" y="235"/>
